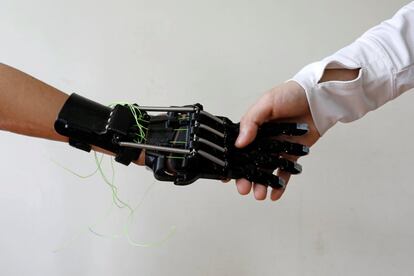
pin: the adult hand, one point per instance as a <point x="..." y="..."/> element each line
<point x="286" y="102"/>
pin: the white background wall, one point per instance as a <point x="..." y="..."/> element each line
<point x="349" y="213"/>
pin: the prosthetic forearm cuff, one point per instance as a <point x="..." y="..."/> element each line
<point x="88" y="123"/>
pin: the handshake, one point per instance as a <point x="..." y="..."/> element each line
<point x="183" y="144"/>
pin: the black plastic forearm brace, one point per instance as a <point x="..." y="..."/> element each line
<point x="184" y="143"/>
<point x="88" y="123"/>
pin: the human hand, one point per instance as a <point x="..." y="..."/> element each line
<point x="286" y="102"/>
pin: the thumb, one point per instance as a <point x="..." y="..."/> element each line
<point x="259" y="113"/>
<point x="248" y="131"/>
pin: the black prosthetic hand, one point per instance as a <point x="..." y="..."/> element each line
<point x="197" y="144"/>
<point x="182" y="145"/>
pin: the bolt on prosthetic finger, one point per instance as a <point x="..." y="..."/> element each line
<point x="183" y="144"/>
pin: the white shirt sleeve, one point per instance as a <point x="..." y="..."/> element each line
<point x="385" y="55"/>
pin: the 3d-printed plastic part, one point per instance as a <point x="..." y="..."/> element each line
<point x="182" y="144"/>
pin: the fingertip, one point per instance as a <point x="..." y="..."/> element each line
<point x="243" y="186"/>
<point x="260" y="192"/>
<point x="247" y="134"/>
<point x="240" y="142"/>
<point x="276" y="194"/>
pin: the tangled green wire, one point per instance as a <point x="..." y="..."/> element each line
<point x="116" y="200"/>
<point x="140" y="136"/>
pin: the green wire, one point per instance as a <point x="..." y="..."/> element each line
<point x="126" y="228"/>
<point x="180" y="129"/>
<point x="175" y="157"/>
<point x="116" y="201"/>
<point x="137" y="114"/>
<point x="115" y="198"/>
<point x="75" y="173"/>
<point x="140" y="137"/>
<point x="178" y="142"/>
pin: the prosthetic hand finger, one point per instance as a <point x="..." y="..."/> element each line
<point x="277" y="146"/>
<point x="289" y="166"/>
<point x="276" y="129"/>
<point x="267" y="178"/>
<point x="276" y="162"/>
<point x="182" y="144"/>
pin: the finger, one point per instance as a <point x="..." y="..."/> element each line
<point x="267" y="178"/>
<point x="141" y="160"/>
<point x="287" y="128"/>
<point x="247" y="134"/>
<point x="273" y="162"/>
<point x="260" y="191"/>
<point x="259" y="113"/>
<point x="276" y="194"/>
<point x="276" y="146"/>
<point x="243" y="186"/>
<point x="289" y="166"/>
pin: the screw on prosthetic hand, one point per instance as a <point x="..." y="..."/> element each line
<point x="182" y="144"/>
<point x="188" y="143"/>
